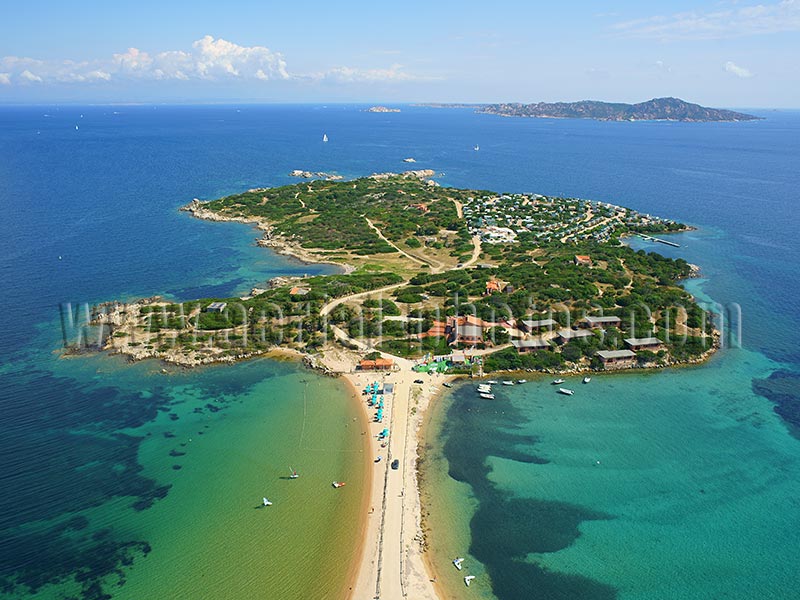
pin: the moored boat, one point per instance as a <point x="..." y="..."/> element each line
<point x="507" y="382"/>
<point x="557" y="381"/>
<point x="468" y="579"/>
<point x="457" y="562"/>
<point x="486" y="396"/>
<point x="566" y="391"/>
<point x="587" y="379"/>
<point x="521" y="381"/>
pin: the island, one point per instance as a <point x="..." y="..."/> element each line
<point x="657" y="109"/>
<point x="481" y="280"/>
<point x="436" y="282"/>
<point x="382" y="109"/>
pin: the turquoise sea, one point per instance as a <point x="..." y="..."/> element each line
<point x="127" y="482"/>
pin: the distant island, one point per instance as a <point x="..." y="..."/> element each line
<point x="657" y="109"/>
<point x="382" y="109"/>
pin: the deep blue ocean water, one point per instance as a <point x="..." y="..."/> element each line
<point x="91" y="214"/>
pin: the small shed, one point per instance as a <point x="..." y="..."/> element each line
<point x="538" y="325"/>
<point x="216" y="307"/>
<point x="617" y="359"/>
<point x="648" y="343"/>
<point x="531" y="345"/>
<point x="600" y="322"/>
<point x="566" y="335"/>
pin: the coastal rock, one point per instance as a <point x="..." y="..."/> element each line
<point x="315" y="175"/>
<point x="418" y="174"/>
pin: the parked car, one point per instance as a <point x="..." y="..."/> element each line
<point x="395" y="464"/>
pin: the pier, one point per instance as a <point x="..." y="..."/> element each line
<point x="650" y="238"/>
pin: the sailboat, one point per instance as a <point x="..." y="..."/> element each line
<point x="468" y="579"/>
<point x="476" y="148"/>
<point x="324" y="137"/>
<point x="294" y="474"/>
<point x="457" y="562"/>
<point x="267" y="502"/>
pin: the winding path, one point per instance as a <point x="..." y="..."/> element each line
<point x="423" y="261"/>
<point x="326" y="310"/>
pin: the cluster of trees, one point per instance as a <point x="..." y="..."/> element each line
<point x="330" y="215"/>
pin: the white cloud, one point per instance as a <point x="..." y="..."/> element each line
<point x="734" y="69"/>
<point x="29" y="77"/>
<point x="663" y="67"/>
<point x="738" y="21"/>
<point x="394" y="73"/>
<point x="5" y="78"/>
<point x="208" y="59"/>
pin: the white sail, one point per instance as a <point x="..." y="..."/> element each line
<point x="324" y="137"/>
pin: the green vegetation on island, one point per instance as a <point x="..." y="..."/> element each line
<point x="518" y="281"/>
<point x="657" y="109"/>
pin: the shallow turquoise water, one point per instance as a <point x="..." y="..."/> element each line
<point x="677" y="484"/>
<point x="87" y="493"/>
<point x="174" y="487"/>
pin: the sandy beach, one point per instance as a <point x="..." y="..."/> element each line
<point x="392" y="564"/>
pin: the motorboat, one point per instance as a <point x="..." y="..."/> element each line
<point x="557" y="381"/>
<point x="486" y="396"/>
<point x="566" y="391"/>
<point x="587" y="379"/>
<point x="338" y="484"/>
<point x="468" y="579"/>
<point x="294" y="474"/>
<point x="521" y="381"/>
<point x="457" y="562"/>
<point x="447" y="385"/>
<point x="492" y="382"/>
<point x="507" y="382"/>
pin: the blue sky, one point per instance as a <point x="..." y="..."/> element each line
<point x="717" y="53"/>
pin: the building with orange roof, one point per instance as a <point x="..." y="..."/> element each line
<point x="583" y="260"/>
<point x="379" y="364"/>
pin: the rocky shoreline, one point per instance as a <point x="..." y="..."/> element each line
<point x="269" y="238"/>
<point x="315" y="175"/>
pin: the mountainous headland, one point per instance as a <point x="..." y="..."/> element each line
<point x="657" y="109"/>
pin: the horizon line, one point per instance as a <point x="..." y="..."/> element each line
<point x="258" y="102"/>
